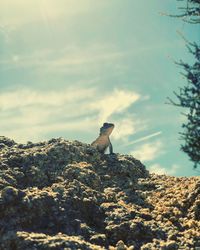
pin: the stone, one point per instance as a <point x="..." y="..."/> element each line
<point x="61" y="194"/>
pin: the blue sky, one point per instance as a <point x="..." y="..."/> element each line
<point x="68" y="66"/>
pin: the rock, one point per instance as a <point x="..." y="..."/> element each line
<point x="40" y="241"/>
<point x="169" y="245"/>
<point x="6" y="141"/>
<point x="120" y="245"/>
<point x="99" y="239"/>
<point x="9" y="194"/>
<point x="61" y="194"/>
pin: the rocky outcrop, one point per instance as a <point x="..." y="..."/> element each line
<point x="65" y="195"/>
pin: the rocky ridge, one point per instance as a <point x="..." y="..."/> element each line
<point x="65" y="195"/>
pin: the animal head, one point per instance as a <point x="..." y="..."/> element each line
<point x="107" y="128"/>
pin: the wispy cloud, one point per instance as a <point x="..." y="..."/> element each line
<point x="125" y="127"/>
<point x="158" y="169"/>
<point x="73" y="108"/>
<point x="148" y="151"/>
<point x="22" y="111"/>
<point x="144" y="138"/>
<point x="72" y="59"/>
<point x="21" y="98"/>
<point x="36" y="130"/>
<point x="115" y="102"/>
<point x="74" y="55"/>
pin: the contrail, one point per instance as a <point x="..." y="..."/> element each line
<point x="144" y="138"/>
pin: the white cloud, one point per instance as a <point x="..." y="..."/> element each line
<point x="28" y="114"/>
<point x="113" y="103"/>
<point x="30" y="130"/>
<point x="72" y="59"/>
<point x="127" y="126"/>
<point x="158" y="169"/>
<point x="148" y="151"/>
<point x="27" y="97"/>
<point x="75" y="55"/>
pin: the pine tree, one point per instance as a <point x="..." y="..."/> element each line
<point x="189" y="95"/>
<point x="189" y="98"/>
<point x="190" y="11"/>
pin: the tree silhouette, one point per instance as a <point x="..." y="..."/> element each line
<point x="189" y="95"/>
<point x="190" y="12"/>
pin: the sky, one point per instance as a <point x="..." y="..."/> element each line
<point x="68" y="66"/>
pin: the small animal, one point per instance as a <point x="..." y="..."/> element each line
<point x="103" y="141"/>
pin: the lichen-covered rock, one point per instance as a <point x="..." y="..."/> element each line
<point x="66" y="195"/>
<point x="40" y="241"/>
<point x="10" y="194"/>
